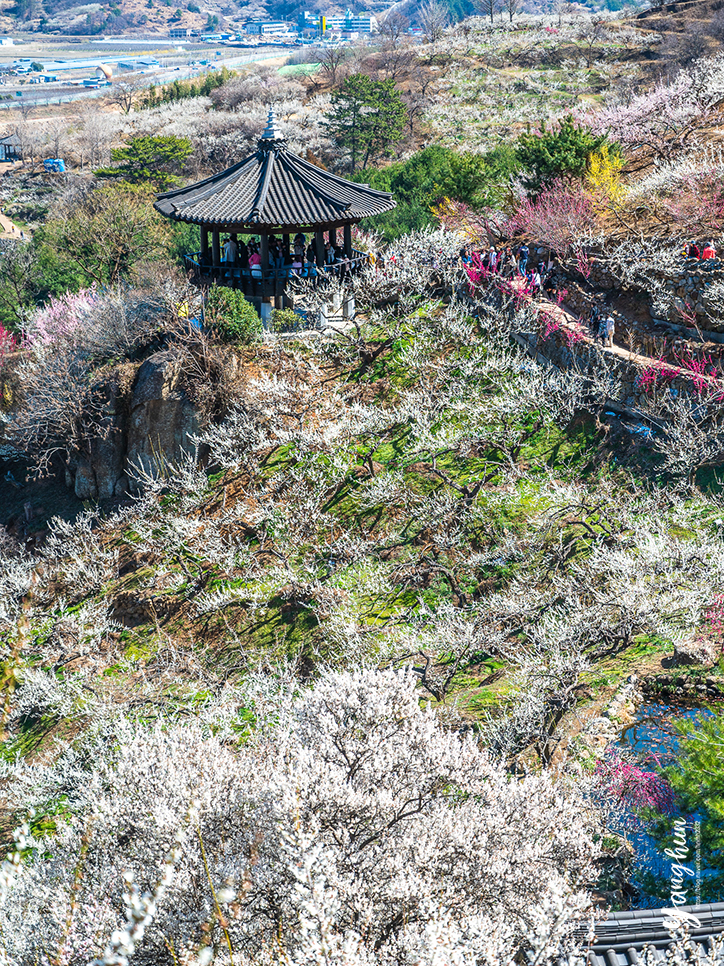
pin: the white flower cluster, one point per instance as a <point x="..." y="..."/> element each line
<point x="357" y="823"/>
<point x="669" y="117"/>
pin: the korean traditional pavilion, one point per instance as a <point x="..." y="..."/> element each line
<point x="272" y="193"/>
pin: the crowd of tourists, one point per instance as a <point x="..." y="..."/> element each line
<point x="297" y="258"/>
<point x="692" y="251"/>
<point x="535" y="278"/>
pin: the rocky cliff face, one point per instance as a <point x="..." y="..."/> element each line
<point x="697" y="289"/>
<point x="143" y="430"/>
<point x="690" y="294"/>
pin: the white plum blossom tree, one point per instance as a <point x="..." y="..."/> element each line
<point x="357" y="818"/>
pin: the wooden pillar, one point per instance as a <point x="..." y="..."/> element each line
<point x="348" y="240"/>
<point x="333" y="237"/>
<point x="264" y="253"/>
<point x="215" y="249"/>
<point x="285" y="247"/>
<point x="204" y="255"/>
<point x="319" y="247"/>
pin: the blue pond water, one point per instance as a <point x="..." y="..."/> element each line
<point x="653" y="733"/>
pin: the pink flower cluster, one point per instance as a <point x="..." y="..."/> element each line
<point x="713" y="621"/>
<point x="583" y="263"/>
<point x="632" y="786"/>
<point x="701" y="372"/>
<point x="60" y="317"/>
<point x="648" y="378"/>
<point x="550" y="325"/>
<point x="477" y="272"/>
<point x="573" y="337"/>
<point x="8" y="342"/>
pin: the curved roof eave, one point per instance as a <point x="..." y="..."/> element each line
<point x="257" y="227"/>
<point x="273" y="190"/>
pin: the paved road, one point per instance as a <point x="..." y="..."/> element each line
<point x="44" y="94"/>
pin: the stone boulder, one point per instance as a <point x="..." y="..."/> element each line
<point x="98" y="476"/>
<point x="162" y="419"/>
<point x="697" y="652"/>
<point x="145" y="428"/>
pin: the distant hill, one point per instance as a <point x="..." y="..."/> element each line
<point x="72" y="17"/>
<point x="90" y="19"/>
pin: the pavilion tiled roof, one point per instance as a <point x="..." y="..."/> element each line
<point x="273" y="189"/>
<point x="621" y="937"/>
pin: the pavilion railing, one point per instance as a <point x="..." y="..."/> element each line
<point x="265" y="283"/>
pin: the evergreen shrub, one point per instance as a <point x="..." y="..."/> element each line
<point x="286" y="320"/>
<point x="231" y="316"/>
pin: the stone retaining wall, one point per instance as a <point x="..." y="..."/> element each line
<point x="683" y="687"/>
<point x="568" y="348"/>
<point x="690" y="295"/>
<point x="698" y="287"/>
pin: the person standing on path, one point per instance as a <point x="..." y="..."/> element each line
<point x="522" y="259"/>
<point x="595" y="321"/>
<point x="536" y="283"/>
<point x="509" y="266"/>
<point x="609" y="327"/>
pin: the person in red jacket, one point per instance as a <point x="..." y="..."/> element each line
<point x="709" y="251"/>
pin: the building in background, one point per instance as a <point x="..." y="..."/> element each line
<point x="137" y="63"/>
<point x="262" y="28"/>
<point x="312" y="25"/>
<point x="349" y="25"/>
<point x="362" y="23"/>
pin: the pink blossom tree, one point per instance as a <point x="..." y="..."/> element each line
<point x="668" y="117"/>
<point x="697" y="205"/>
<point x="8" y="342"/>
<point x="629" y="786"/>
<point x="712" y="623"/>
<point x="558" y="217"/>
<point x="61" y="317"/>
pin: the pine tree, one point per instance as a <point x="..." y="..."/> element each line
<point x="147" y="159"/>
<point x="698" y="780"/>
<point x="367" y="117"/>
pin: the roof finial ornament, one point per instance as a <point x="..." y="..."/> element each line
<point x="270" y="133"/>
